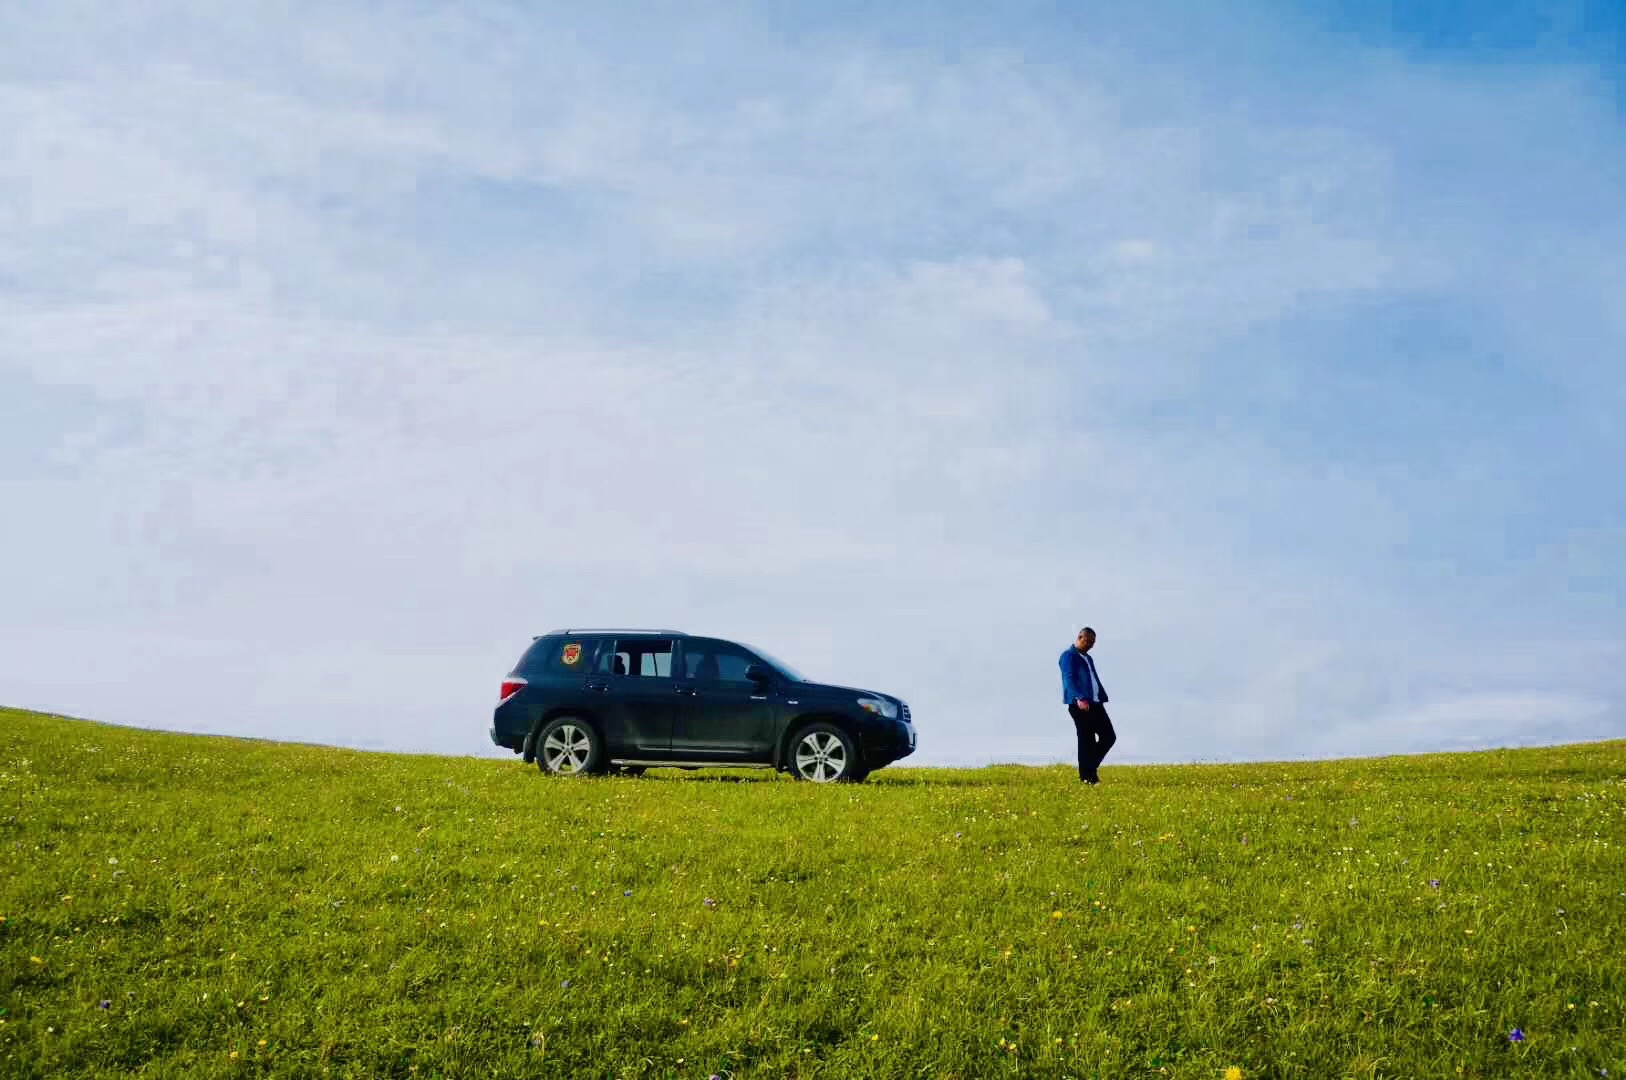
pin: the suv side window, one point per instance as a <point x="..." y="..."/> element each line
<point x="648" y="657"/>
<point x="709" y="660"/>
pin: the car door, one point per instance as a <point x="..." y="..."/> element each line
<point x="641" y="695"/>
<point x="725" y="716"/>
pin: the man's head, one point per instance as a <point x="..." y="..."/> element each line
<point x="1085" y="640"/>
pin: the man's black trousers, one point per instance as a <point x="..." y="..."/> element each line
<point x="1095" y="737"/>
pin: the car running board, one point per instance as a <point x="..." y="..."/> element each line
<point x="668" y="763"/>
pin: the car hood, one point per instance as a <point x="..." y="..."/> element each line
<point x="809" y="689"/>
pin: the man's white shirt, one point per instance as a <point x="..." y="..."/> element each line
<point x="1095" y="683"/>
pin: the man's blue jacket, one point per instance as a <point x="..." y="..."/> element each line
<point x="1075" y="679"/>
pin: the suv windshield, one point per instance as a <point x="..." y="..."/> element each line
<point x="784" y="669"/>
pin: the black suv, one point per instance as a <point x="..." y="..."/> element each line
<point x="593" y="701"/>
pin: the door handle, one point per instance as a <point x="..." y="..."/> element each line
<point x="691" y="691"/>
<point x="601" y="687"/>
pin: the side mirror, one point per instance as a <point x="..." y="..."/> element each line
<point x="760" y="674"/>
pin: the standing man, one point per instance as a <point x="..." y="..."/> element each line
<point x="1086" y="702"/>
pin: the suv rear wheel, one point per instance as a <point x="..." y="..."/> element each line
<point x="568" y="746"/>
<point x="824" y="753"/>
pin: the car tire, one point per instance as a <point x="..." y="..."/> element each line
<point x="569" y="746"/>
<point x="822" y="753"/>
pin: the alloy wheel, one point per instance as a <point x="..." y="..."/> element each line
<point x="566" y="749"/>
<point x="821" y="757"/>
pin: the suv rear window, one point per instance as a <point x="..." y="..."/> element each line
<point x="560" y="655"/>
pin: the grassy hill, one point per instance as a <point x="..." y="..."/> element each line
<point x="192" y="906"/>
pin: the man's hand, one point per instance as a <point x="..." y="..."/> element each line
<point x="1083" y="705"/>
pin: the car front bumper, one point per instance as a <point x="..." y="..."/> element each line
<point x="885" y="745"/>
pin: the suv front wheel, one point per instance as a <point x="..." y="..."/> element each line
<point x="823" y="753"/>
<point x="568" y="746"/>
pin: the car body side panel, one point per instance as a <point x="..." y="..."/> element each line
<point x="639" y="712"/>
<point x="725" y="721"/>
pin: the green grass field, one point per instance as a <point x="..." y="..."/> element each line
<point x="188" y="906"/>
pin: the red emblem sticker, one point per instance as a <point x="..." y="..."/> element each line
<point x="572" y="654"/>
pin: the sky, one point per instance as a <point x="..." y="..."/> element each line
<point x="345" y="346"/>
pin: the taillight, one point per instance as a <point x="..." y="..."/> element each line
<point x="511" y="686"/>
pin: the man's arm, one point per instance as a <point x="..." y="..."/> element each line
<point x="1076" y="692"/>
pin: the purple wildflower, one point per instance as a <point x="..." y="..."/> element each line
<point x="1516" y="1035"/>
<point x="104" y="1004"/>
<point x="627" y="893"/>
<point x="709" y="902"/>
<point x="565" y="985"/>
<point x="1434" y="883"/>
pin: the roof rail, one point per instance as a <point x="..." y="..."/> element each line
<point x="615" y="630"/>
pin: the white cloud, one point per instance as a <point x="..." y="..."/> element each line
<point x="866" y="357"/>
